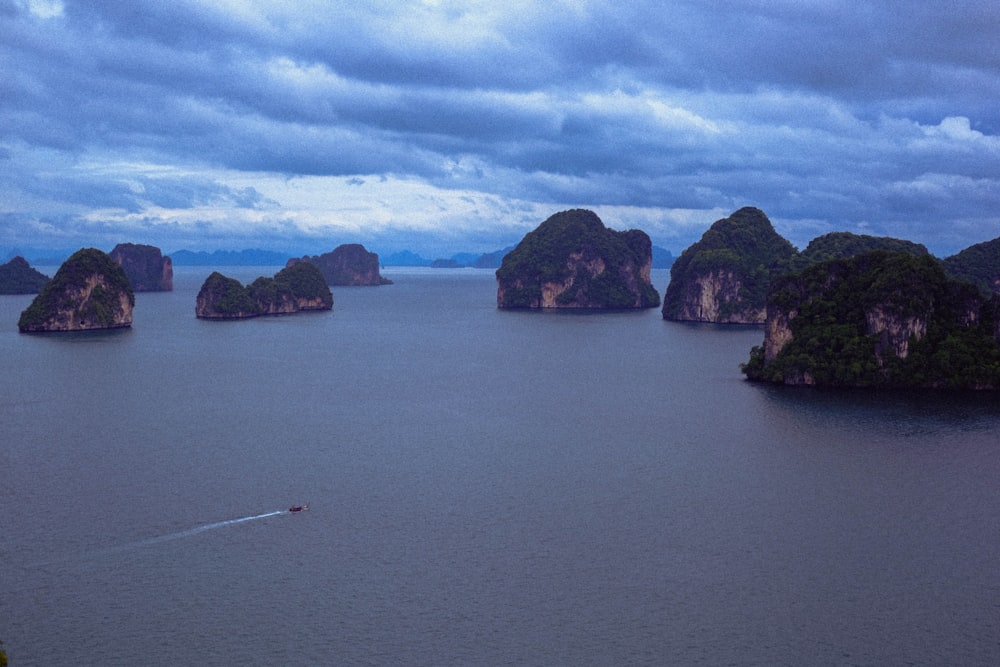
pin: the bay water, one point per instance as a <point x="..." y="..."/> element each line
<point x="485" y="487"/>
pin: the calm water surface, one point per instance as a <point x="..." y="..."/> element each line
<point x="486" y="487"/>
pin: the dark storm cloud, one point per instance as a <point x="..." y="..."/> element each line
<point x="827" y="114"/>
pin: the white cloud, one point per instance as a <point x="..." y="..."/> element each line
<point x="44" y="9"/>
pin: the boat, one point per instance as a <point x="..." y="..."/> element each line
<point x="298" y="508"/>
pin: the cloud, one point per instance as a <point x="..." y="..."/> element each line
<point x="187" y="117"/>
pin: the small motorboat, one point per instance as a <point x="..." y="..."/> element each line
<point x="298" y="508"/>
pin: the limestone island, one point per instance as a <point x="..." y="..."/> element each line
<point x="879" y="319"/>
<point x="573" y="261"/>
<point x="347" y="265"/>
<point x="724" y="277"/>
<point x="146" y="267"/>
<point x="18" y="277"/>
<point x="296" y="288"/>
<point x="89" y="291"/>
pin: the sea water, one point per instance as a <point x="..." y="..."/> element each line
<point x="485" y="487"/>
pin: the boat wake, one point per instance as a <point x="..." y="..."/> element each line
<point x="194" y="531"/>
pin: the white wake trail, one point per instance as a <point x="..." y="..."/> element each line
<point x="196" y="530"/>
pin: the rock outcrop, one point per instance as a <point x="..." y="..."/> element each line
<point x="573" y="261"/>
<point x="17" y="277"/>
<point x="724" y="277"/>
<point x="146" y="267"/>
<point x="89" y="291"/>
<point x="300" y="287"/>
<point x="347" y="265"/>
<point x="878" y="319"/>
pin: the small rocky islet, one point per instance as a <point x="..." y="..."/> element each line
<point x="90" y="291"/>
<point x="296" y="288"/>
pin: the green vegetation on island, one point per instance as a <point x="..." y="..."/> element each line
<point x="879" y="319"/>
<point x="978" y="264"/>
<point x="572" y="260"/>
<point x="841" y="245"/>
<point x="304" y="282"/>
<point x="295" y="288"/>
<point x="18" y="277"/>
<point x="89" y="291"/>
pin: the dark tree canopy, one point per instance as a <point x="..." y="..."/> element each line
<point x="830" y="306"/>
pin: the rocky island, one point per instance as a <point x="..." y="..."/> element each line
<point x="296" y="288"/>
<point x="573" y="261"/>
<point x="18" y="277"/>
<point x="89" y="291"/>
<point x="724" y="277"/>
<point x="348" y="265"/>
<point x="146" y="267"/>
<point x="879" y="319"/>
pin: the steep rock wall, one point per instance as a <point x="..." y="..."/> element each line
<point x="716" y="296"/>
<point x="147" y="269"/>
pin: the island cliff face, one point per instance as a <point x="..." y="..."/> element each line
<point x="573" y="261"/>
<point x="147" y="269"/>
<point x="878" y="320"/>
<point x="89" y="291"/>
<point x="300" y="287"/>
<point x="347" y="265"/>
<point x="724" y="277"/>
<point x="17" y="277"/>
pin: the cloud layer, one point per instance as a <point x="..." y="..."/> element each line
<point x="462" y="125"/>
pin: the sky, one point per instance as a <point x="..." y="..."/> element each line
<point x="458" y="126"/>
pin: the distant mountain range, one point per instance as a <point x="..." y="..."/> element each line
<point x="662" y="259"/>
<point x="251" y="257"/>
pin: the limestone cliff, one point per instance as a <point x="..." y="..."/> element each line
<point x="878" y="319"/>
<point x="724" y="277"/>
<point x="716" y="296"/>
<point x="89" y="291"/>
<point x="347" y="265"/>
<point x="300" y="287"/>
<point x="147" y="269"/>
<point x="572" y="260"/>
<point x="17" y="277"/>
